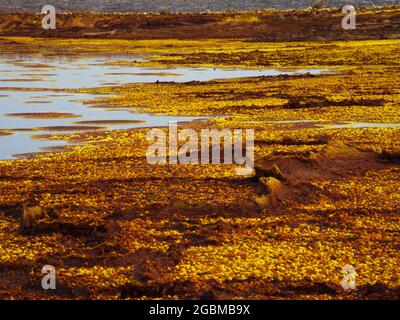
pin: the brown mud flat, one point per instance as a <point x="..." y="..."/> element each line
<point x="288" y="179"/>
<point x="278" y="185"/>
<point x="69" y="128"/>
<point x="147" y="74"/>
<point x="111" y="122"/>
<point x="38" y="101"/>
<point x="268" y="25"/>
<point x="320" y="198"/>
<point x="20" y="80"/>
<point x="43" y="115"/>
<point x="59" y="128"/>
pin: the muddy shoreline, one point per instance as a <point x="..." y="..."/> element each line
<point x="321" y="198"/>
<point x="270" y="25"/>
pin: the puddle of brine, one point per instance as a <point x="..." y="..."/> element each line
<point x="22" y="119"/>
<point x="20" y="111"/>
<point x="88" y="72"/>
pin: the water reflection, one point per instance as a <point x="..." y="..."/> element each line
<point x="23" y="113"/>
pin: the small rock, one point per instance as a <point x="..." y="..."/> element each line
<point x="377" y="288"/>
<point x="261" y="201"/>
<point x="183" y="205"/>
<point x="31" y="216"/>
<point x="272" y="185"/>
<point x="273" y="171"/>
<point x="34" y="215"/>
<point x="244" y="171"/>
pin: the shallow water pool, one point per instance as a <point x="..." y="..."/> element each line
<point x="26" y="113"/>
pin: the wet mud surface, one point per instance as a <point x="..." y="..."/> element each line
<point x="324" y="193"/>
